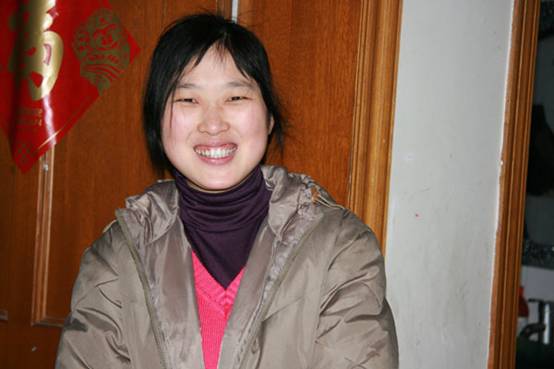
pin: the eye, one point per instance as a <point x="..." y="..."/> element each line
<point x="187" y="100"/>
<point x="237" y="98"/>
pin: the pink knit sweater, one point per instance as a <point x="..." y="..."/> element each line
<point x="214" y="308"/>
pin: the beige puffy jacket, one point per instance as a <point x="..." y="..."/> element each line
<point x="312" y="295"/>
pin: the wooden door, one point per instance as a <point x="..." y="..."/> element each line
<point x="334" y="64"/>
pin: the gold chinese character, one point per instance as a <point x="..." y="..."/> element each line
<point x="38" y="53"/>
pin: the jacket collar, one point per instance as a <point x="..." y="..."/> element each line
<point x="152" y="214"/>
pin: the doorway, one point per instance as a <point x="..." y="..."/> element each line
<point x="535" y="330"/>
<point x="512" y="224"/>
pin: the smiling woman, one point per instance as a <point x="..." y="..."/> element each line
<point x="234" y="264"/>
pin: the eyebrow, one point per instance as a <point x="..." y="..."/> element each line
<point x="231" y="84"/>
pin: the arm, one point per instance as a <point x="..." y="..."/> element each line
<point x="356" y="327"/>
<point x="92" y="336"/>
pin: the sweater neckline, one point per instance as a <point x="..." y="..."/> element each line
<point x="211" y="288"/>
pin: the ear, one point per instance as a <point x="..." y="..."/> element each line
<point x="270" y="125"/>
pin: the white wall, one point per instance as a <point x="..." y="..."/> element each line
<point x="444" y="191"/>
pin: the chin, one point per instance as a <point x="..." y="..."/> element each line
<point x="215" y="186"/>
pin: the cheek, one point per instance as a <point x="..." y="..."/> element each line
<point x="256" y="123"/>
<point x="174" y="129"/>
<point x="168" y="138"/>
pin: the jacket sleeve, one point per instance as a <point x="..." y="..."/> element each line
<point x="92" y="337"/>
<point x="356" y="327"/>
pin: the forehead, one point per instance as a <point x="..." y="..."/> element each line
<point x="216" y="64"/>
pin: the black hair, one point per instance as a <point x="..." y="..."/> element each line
<point x="187" y="40"/>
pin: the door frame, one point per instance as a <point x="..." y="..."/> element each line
<point x="373" y="119"/>
<point x="509" y="238"/>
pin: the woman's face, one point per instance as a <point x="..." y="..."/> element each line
<point x="215" y="125"/>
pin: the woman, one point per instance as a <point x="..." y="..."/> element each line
<point x="160" y="288"/>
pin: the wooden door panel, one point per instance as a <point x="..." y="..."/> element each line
<point x="7" y="222"/>
<point x="312" y="47"/>
<point x="17" y="225"/>
<point x="6" y="225"/>
<point x="175" y="9"/>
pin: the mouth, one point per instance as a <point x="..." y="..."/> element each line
<point x="219" y="152"/>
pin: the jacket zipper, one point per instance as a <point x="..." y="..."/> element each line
<point x="275" y="287"/>
<point x="149" y="305"/>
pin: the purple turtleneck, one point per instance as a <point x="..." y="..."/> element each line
<point x="221" y="227"/>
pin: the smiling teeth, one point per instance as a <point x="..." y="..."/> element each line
<point x="215" y="153"/>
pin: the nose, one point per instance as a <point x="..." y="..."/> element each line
<point x="213" y="121"/>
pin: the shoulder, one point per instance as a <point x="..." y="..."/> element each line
<point x="343" y="247"/>
<point x="162" y="194"/>
<point x="102" y="261"/>
<point x="157" y="201"/>
<point x="334" y="226"/>
<point x="148" y="216"/>
<point x="347" y="239"/>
